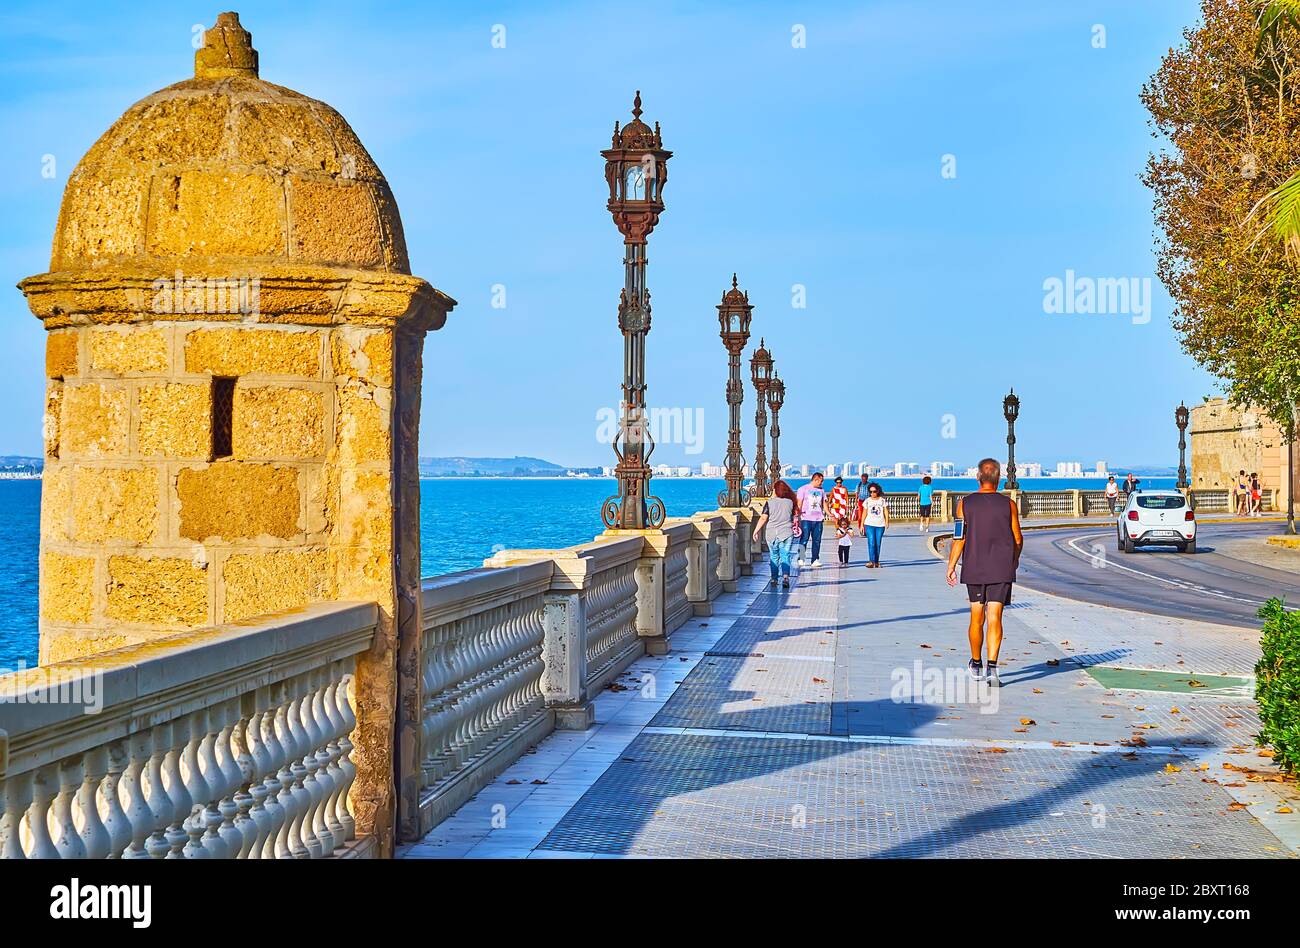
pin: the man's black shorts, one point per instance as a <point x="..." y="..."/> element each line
<point x="925" y="510"/>
<point x="989" y="592"/>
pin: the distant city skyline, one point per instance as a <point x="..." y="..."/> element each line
<point x="900" y="204"/>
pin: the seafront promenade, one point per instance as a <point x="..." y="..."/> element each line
<point x="835" y="720"/>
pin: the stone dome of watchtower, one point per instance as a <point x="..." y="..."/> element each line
<point x="227" y="167"/>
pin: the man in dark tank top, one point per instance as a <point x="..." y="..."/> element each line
<point x="987" y="543"/>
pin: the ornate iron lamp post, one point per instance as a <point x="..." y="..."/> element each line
<point x="760" y="368"/>
<point x="775" y="399"/>
<point x="636" y="169"/>
<point x="1180" y="419"/>
<point x="734" y="314"/>
<point x="1011" y="411"/>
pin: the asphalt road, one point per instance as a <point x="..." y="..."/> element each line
<point x="1084" y="563"/>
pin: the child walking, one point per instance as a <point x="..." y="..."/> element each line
<point x="844" y="531"/>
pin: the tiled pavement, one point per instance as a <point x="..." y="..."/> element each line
<point x="834" y="720"/>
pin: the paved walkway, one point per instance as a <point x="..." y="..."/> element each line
<point x="836" y="720"/>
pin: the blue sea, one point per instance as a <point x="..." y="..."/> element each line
<point x="462" y="522"/>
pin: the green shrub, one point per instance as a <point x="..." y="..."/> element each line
<point x="1277" y="684"/>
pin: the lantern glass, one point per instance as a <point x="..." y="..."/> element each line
<point x="635" y="184"/>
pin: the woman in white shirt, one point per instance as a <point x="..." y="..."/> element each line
<point x="875" y="517"/>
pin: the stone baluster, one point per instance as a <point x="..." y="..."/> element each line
<point x="44" y="790"/>
<point x="266" y="809"/>
<point x="347" y="710"/>
<point x="324" y="732"/>
<point x="138" y="808"/>
<point x="299" y="834"/>
<point x="15" y="805"/>
<point x="208" y="786"/>
<point x="335" y="716"/>
<point x="66" y="838"/>
<point x="252" y="819"/>
<point x="195" y="786"/>
<point x="95" y="838"/>
<point x="232" y="779"/>
<point x="313" y="738"/>
<point x="274" y="805"/>
<point x="160" y="803"/>
<point x="116" y="821"/>
<point x="177" y="834"/>
<point x="288" y="803"/>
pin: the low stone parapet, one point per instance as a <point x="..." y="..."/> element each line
<point x="229" y="742"/>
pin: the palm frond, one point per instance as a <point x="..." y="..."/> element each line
<point x="1279" y="212"/>
<point x="1272" y="13"/>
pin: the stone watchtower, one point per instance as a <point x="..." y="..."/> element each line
<point x="233" y="362"/>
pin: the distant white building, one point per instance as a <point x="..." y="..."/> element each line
<point x="712" y="470"/>
<point x="1103" y="470"/>
<point x="1032" y="469"/>
<point x="804" y="470"/>
<point x="906" y="469"/>
<point x="1069" y="469"/>
<point x="942" y="469"/>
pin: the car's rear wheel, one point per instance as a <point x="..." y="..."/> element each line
<point x="1127" y="544"/>
<point x="1188" y="547"/>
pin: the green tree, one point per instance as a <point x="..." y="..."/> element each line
<point x="1227" y="102"/>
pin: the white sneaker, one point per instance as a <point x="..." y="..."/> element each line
<point x="799" y="561"/>
<point x="816" y="563"/>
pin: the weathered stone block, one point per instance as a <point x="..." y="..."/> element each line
<point x="364" y="355"/>
<point x="278" y="422"/>
<point x="335" y="221"/>
<point x="175" y="420"/>
<point x="56" y="501"/>
<point x="260" y="583"/>
<point x="182" y="223"/>
<point x="50" y="420"/>
<point x="61" y="353"/>
<point x="94" y="420"/>
<point x="67" y="588"/>
<point x="129" y="351"/>
<point x="362" y="425"/>
<point x="232" y="351"/>
<point x="115" y="504"/>
<point x="238" y="500"/>
<point x="157" y="590"/>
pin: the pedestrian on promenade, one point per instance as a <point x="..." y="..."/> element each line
<point x="1131" y="483"/>
<point x="861" y="499"/>
<point x="837" y="502"/>
<point x="844" y="537"/>
<point x="1243" y="494"/>
<point x="1256" y="496"/>
<point x="812" y="502"/>
<point x="874" y="521"/>
<point x="1112" y="494"/>
<point x="777" y="522"/>
<point x="987" y="542"/>
<point x="925" y="497"/>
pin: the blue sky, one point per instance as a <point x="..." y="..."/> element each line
<point x="818" y="166"/>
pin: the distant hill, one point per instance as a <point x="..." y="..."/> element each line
<point x="487" y="467"/>
<point x="14" y="462"/>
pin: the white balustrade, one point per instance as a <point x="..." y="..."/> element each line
<point x="232" y="744"/>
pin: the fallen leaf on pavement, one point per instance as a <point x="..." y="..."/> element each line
<point x="1027" y="721"/>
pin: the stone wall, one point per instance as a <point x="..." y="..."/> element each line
<point x="1224" y="439"/>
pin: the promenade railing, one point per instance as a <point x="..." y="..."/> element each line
<point x="226" y="743"/>
<point x="523" y="645"/>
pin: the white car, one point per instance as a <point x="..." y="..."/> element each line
<point x="1156" y="517"/>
